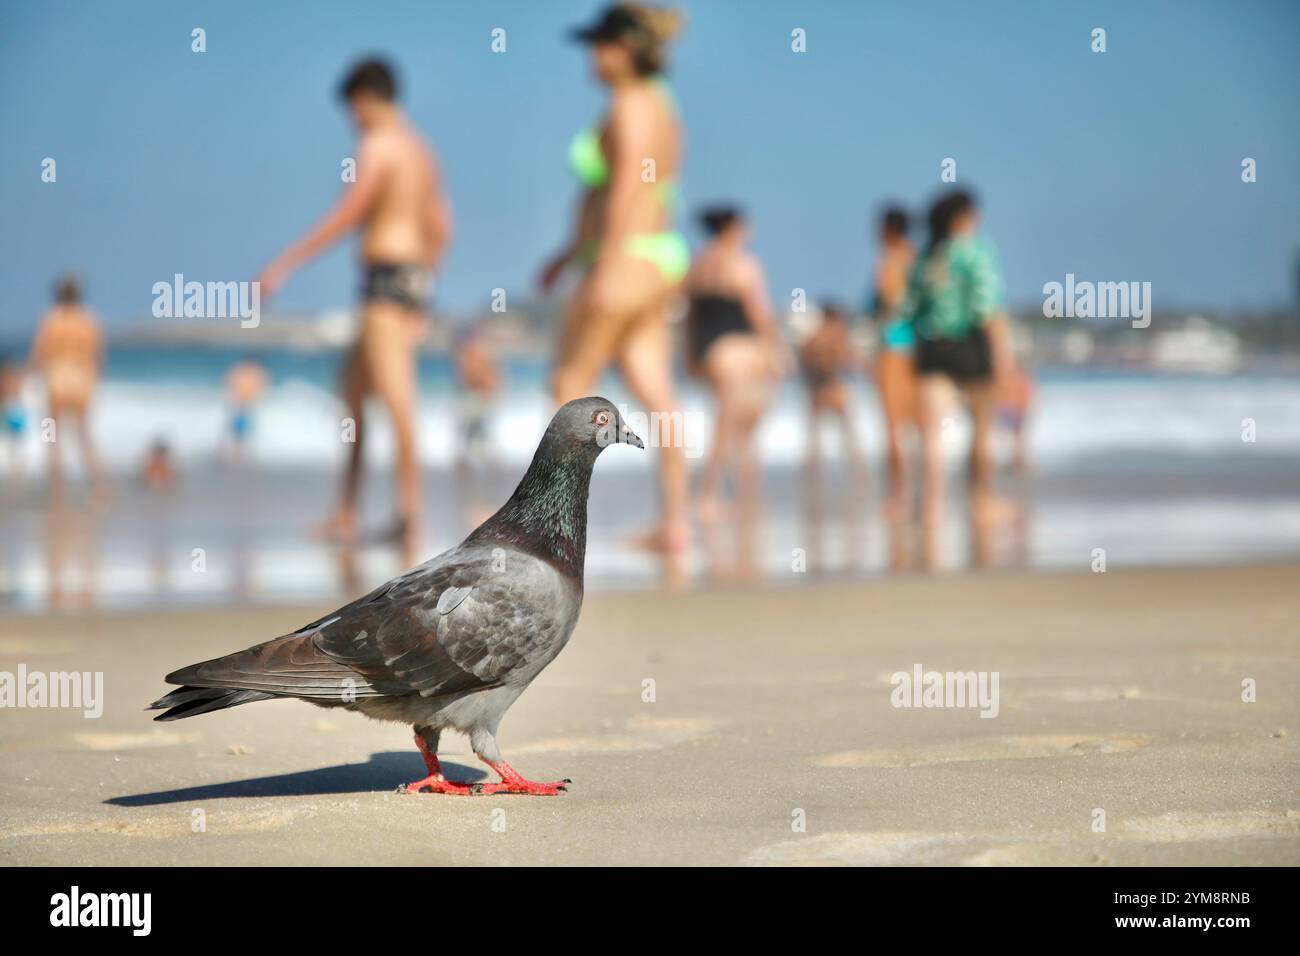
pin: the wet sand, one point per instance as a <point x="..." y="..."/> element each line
<point x="253" y="528"/>
<point x="1119" y="692"/>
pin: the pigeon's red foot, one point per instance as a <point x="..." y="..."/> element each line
<point x="511" y="782"/>
<point x="436" y="784"/>
<point x="522" y="786"/>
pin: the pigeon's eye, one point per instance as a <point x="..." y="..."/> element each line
<point x="601" y="418"/>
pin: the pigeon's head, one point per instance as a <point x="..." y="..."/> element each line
<point x="592" y="423"/>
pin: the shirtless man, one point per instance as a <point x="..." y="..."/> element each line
<point x="68" y="352"/>
<point x="397" y="204"/>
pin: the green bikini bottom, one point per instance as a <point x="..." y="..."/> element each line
<point x="666" y="250"/>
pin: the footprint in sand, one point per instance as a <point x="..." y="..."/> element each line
<point x="993" y="748"/>
<point x="1002" y="849"/>
<point x="854" y="849"/>
<point x="31" y="647"/>
<point x="642" y="733"/>
<point x="1036" y="854"/>
<point x="1088" y="695"/>
<point x="913" y="849"/>
<point x="172" y="826"/>
<point x="1185" y="827"/>
<point x="111" y="741"/>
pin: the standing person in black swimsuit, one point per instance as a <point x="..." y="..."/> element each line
<point x="398" y="206"/>
<point x="735" y="346"/>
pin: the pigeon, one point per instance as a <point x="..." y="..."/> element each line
<point x="452" y="643"/>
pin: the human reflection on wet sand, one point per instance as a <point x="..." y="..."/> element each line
<point x="349" y="579"/>
<point x="242" y="482"/>
<point x="900" y="540"/>
<point x="844" y="509"/>
<point x="731" y="541"/>
<point x="71" y="550"/>
<point x="352" y="582"/>
<point x="948" y="538"/>
<point x="997" y="541"/>
<point x="474" y="482"/>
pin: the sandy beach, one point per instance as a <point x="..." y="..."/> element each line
<point x="767" y="735"/>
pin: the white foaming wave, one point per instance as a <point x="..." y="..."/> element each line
<point x="1154" y="415"/>
<point x="300" y="424"/>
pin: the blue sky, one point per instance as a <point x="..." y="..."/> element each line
<point x="1116" y="166"/>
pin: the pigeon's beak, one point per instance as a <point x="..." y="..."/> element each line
<point x="629" y="437"/>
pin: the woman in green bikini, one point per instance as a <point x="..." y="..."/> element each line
<point x="624" y="237"/>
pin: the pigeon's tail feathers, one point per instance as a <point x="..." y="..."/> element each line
<point x="289" y="666"/>
<point x="192" y="701"/>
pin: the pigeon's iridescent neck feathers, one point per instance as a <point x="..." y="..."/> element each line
<point x="547" y="515"/>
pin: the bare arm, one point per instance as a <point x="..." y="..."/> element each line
<point x="348" y="213"/>
<point x="584" y="225"/>
<point x="584" y="230"/>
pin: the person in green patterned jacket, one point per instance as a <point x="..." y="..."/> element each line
<point x="954" y="305"/>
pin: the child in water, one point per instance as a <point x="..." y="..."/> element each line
<point x="823" y="358"/>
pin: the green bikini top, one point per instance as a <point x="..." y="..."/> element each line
<point x="587" y="161"/>
<point x="590" y="167"/>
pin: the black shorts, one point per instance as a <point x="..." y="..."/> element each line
<point x="964" y="360"/>
<point x="409" y="286"/>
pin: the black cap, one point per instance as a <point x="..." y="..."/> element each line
<point x="614" y="24"/>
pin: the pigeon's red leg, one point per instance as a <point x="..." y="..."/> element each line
<point x="436" y="782"/>
<point x="511" y="782"/>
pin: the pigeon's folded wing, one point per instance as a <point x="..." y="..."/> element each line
<point x="462" y="626"/>
<point x="293" y="665"/>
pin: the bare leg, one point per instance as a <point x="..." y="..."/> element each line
<point x="852" y="454"/>
<point x="710" y="490"/>
<point x="342" y="525"/>
<point x="813" y="461"/>
<point x="896" y="382"/>
<point x="736" y="370"/>
<point x="1021" y="460"/>
<point x="485" y="747"/>
<point x="985" y="504"/>
<point x="390" y="365"/>
<point x="56" y="485"/>
<point x="749" y="508"/>
<point x="983" y="408"/>
<point x="98" y="489"/>
<point x="748" y="476"/>
<point x="814" y="497"/>
<point x="426" y="738"/>
<point x="934" y="396"/>
<point x="588" y="344"/>
<point x="647" y="366"/>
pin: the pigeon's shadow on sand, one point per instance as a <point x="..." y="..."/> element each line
<point x="384" y="771"/>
